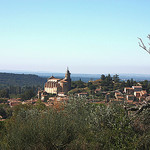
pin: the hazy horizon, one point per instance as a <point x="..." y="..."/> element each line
<point x="88" y="36"/>
<point x="45" y="72"/>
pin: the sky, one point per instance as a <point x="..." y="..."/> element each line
<point x="88" y="36"/>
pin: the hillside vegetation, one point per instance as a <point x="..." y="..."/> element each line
<point x="77" y="126"/>
<point x="10" y="79"/>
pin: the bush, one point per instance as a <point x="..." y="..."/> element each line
<point x="79" y="125"/>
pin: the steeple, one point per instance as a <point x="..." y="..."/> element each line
<point x="67" y="75"/>
<point x="67" y="78"/>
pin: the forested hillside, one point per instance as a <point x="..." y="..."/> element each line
<point x="10" y="79"/>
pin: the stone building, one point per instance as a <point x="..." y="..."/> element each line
<point x="135" y="93"/>
<point x="56" y="85"/>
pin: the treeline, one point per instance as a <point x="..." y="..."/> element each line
<point x="110" y="83"/>
<point x="113" y="82"/>
<point x="107" y="82"/>
<point x="24" y="86"/>
<point x="10" y="79"/>
<point x="25" y="93"/>
<point x="78" y="125"/>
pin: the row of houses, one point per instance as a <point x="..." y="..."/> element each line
<point x="130" y="94"/>
<point x="15" y="102"/>
<point x="119" y="95"/>
<point x="134" y="93"/>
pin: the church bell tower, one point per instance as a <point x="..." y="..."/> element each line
<point x="67" y="78"/>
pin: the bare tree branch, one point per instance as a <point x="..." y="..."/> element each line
<point x="142" y="45"/>
<point x="143" y="107"/>
<point x="137" y="109"/>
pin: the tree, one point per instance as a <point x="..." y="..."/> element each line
<point x="109" y="78"/>
<point x="77" y="84"/>
<point x="92" y="87"/>
<point x="3" y="112"/>
<point x="116" y="78"/>
<point x="128" y="84"/>
<point x="131" y="82"/>
<point x="103" y="77"/>
<point x="4" y="93"/>
<point x="28" y="95"/>
<point x="142" y="45"/>
<point x="80" y="125"/>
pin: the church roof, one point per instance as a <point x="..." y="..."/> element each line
<point x="52" y="77"/>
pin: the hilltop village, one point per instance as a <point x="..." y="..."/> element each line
<point x="99" y="113"/>
<point x="105" y="90"/>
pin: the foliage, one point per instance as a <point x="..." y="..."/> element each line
<point x="2" y="112"/>
<point x="79" y="125"/>
<point x="5" y="111"/>
<point x="28" y="95"/>
<point x="145" y="85"/>
<point x="116" y="78"/>
<point x="107" y="83"/>
<point x="91" y="86"/>
<point x="4" y="93"/>
<point x="3" y="100"/>
<point x="77" y="84"/>
<point x="25" y="92"/>
<point x="10" y="79"/>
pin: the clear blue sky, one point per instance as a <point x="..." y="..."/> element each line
<point x="89" y="36"/>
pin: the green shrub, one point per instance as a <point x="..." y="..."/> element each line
<point x="79" y="125"/>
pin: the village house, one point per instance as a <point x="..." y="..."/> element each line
<point x="14" y="102"/>
<point x="129" y="90"/>
<point x="130" y="97"/>
<point x="119" y="95"/>
<point x="97" y="90"/>
<point x="137" y="88"/>
<point x="82" y="94"/>
<point x="61" y="94"/>
<point x="135" y="93"/>
<point x="120" y="98"/>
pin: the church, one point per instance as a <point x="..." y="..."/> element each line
<point x="56" y="85"/>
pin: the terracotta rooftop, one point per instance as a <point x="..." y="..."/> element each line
<point x="82" y="93"/>
<point x="144" y="92"/>
<point x="130" y="95"/>
<point x="120" y="97"/>
<point x="137" y="92"/>
<point x="137" y="86"/>
<point x="118" y="93"/>
<point x="98" y="90"/>
<point x="129" y="88"/>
